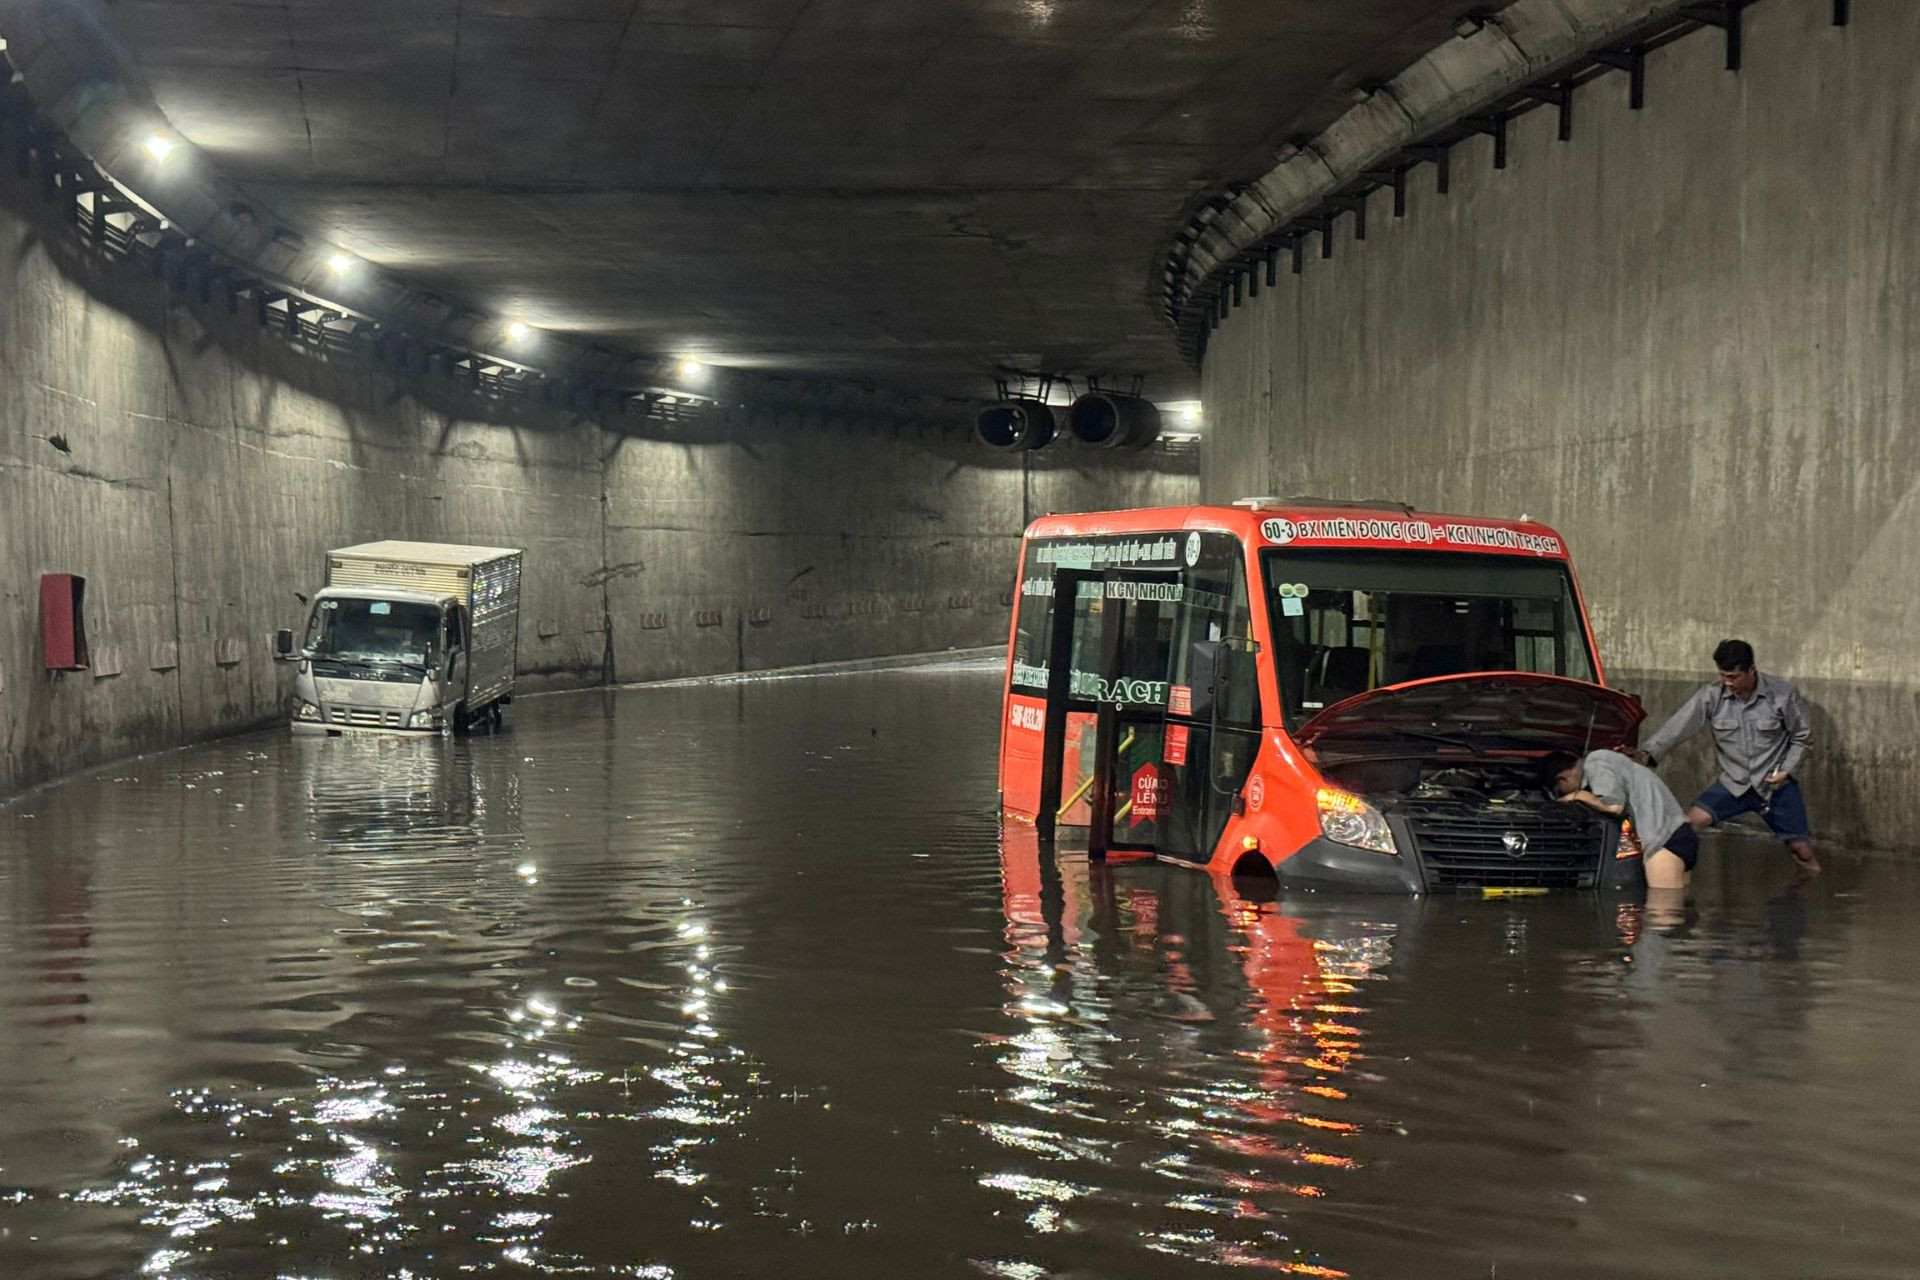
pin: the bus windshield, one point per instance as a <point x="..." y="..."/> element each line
<point x="1348" y="621"/>
<point x="356" y="630"/>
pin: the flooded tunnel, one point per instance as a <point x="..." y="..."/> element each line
<point x="772" y="637"/>
<point x="722" y="978"/>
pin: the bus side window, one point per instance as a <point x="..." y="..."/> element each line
<point x="1033" y="625"/>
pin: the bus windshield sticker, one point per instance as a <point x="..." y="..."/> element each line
<point x="1080" y="554"/>
<point x="1167" y="592"/>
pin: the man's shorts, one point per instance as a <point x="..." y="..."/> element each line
<point x="1786" y="816"/>
<point x="1684" y="844"/>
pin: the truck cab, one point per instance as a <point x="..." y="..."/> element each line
<point x="392" y="661"/>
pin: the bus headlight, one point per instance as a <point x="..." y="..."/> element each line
<point x="1347" y="819"/>
<point x="306" y="711"/>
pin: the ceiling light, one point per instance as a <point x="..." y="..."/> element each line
<point x="158" y="145"/>
<point x="517" y="331"/>
<point x="339" y="263"/>
<point x="1190" y="414"/>
<point x="692" y="370"/>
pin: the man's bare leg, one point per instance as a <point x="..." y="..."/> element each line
<point x="1699" y="819"/>
<point x="1803" y="857"/>
<point x="1665" y="870"/>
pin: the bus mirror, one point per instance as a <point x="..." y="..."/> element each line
<point x="283" y="643"/>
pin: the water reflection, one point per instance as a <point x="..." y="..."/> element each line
<point x="749" y="980"/>
<point x="1221" y="1030"/>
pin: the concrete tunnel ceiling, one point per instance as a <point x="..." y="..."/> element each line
<point x="902" y="193"/>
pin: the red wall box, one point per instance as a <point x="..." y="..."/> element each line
<point x="63" y="627"/>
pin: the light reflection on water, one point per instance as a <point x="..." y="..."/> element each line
<point x="748" y="979"/>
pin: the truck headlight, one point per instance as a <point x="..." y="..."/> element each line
<point x="306" y="711"/>
<point x="1347" y="819"/>
<point x="1629" y="846"/>
<point x="424" y="720"/>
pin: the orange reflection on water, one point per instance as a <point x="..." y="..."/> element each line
<point x="1090" y="948"/>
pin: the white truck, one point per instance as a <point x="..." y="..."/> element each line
<point x="418" y="637"/>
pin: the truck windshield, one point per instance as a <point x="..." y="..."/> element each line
<point x="1345" y="622"/>
<point x="357" y="630"/>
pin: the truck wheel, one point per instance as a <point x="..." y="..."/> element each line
<point x="460" y="724"/>
<point x="495" y="717"/>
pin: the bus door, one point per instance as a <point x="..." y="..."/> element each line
<point x="1106" y="700"/>
<point x="1176" y="724"/>
<point x="1212" y="730"/>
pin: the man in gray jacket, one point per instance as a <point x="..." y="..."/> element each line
<point x="1760" y="729"/>
<point x="1611" y="783"/>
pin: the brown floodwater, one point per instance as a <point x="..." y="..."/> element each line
<point x="747" y="980"/>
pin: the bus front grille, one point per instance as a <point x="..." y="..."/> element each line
<point x="1514" y="849"/>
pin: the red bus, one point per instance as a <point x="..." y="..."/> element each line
<point x="1352" y="695"/>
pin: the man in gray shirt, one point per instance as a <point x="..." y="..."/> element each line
<point x="1610" y="782"/>
<point x="1760" y="729"/>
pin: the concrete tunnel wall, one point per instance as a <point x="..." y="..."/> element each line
<point x="207" y="466"/>
<point x="1684" y="339"/>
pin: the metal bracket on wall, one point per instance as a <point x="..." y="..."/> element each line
<point x="1357" y="205"/>
<point x="104" y="207"/>
<point x="1726" y="16"/>
<point x="1633" y="61"/>
<point x="1494" y="127"/>
<point x="1440" y="155"/>
<point x="1395" y="178"/>
<point x="1324" y="225"/>
<point x="1561" y="96"/>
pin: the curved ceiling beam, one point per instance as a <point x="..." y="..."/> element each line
<point x="1492" y="57"/>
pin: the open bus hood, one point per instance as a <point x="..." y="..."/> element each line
<point x="1483" y="711"/>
